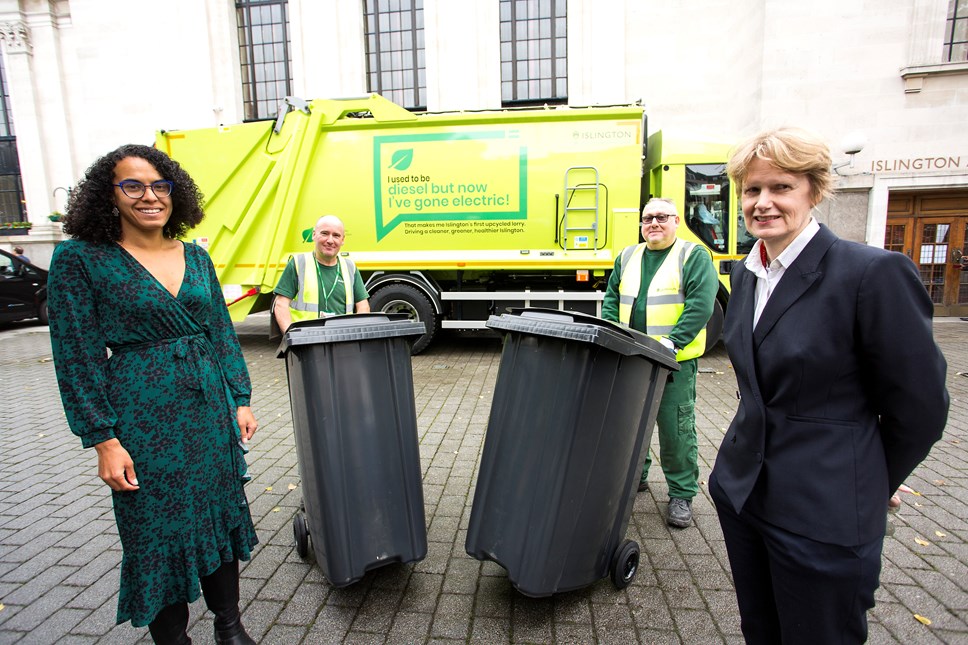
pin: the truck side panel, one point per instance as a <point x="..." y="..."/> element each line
<point x="440" y="193"/>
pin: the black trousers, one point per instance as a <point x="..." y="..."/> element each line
<point x="792" y="589"/>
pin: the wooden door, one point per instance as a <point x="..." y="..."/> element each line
<point x="899" y="236"/>
<point x="939" y="250"/>
<point x="931" y="228"/>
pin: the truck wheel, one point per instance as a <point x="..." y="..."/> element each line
<point x="625" y="564"/>
<point x="404" y="299"/>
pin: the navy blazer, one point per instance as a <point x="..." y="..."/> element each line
<point x="842" y="390"/>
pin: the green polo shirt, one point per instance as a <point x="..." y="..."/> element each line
<point x="332" y="293"/>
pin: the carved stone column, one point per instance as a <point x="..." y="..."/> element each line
<point x="15" y="37"/>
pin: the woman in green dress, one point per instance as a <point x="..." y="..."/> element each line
<point x="152" y="377"/>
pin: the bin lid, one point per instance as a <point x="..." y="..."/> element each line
<point x="348" y="328"/>
<point x="580" y="327"/>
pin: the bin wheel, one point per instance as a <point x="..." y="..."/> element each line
<point x="301" y="533"/>
<point x="625" y="564"/>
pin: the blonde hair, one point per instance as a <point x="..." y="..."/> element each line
<point x="792" y="150"/>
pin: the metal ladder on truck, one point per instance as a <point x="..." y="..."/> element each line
<point x="581" y="205"/>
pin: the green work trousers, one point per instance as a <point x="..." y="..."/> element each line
<point x="678" y="452"/>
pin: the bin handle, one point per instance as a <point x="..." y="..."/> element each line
<point x="572" y="316"/>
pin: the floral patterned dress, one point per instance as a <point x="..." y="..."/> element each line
<point x="168" y="392"/>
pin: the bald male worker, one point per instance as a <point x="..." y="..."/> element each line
<point x="320" y="283"/>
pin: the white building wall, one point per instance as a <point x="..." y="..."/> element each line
<point x="463" y="49"/>
<point x="328" y="49"/>
<point x="597" y="51"/>
<point x="697" y="66"/>
<point x="170" y="51"/>
<point x="223" y="56"/>
<point x="850" y="83"/>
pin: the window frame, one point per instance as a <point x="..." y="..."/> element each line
<point x="952" y="22"/>
<point x="260" y="75"/>
<point x="534" y="52"/>
<point x="12" y="202"/>
<point x="926" y="47"/>
<point x="393" y="36"/>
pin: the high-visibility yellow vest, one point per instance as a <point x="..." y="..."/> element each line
<point x="305" y="306"/>
<point x="666" y="298"/>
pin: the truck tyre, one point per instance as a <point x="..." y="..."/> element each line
<point x="404" y="299"/>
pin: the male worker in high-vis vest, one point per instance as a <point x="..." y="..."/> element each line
<point x="320" y="283"/>
<point x="666" y="288"/>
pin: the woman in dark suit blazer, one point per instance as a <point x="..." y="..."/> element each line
<point x="842" y="396"/>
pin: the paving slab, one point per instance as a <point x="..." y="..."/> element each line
<point x="59" y="551"/>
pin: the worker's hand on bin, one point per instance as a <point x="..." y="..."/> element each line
<point x="668" y="344"/>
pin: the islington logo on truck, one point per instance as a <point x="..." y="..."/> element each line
<point x="603" y="134"/>
<point x="429" y="179"/>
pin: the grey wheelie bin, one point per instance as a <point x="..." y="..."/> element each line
<point x="574" y="405"/>
<point x="355" y="427"/>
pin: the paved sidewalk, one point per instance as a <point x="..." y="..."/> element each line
<point x="60" y="555"/>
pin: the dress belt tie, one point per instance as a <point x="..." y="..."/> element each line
<point x="186" y="348"/>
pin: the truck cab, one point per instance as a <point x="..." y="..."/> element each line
<point x="693" y="174"/>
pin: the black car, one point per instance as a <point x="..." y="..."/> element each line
<point x="23" y="290"/>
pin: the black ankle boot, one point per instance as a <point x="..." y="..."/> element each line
<point x="221" y="591"/>
<point x="170" y="626"/>
<point x="232" y="633"/>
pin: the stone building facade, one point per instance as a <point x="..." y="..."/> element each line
<point x="885" y="80"/>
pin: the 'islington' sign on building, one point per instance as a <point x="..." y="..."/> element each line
<point x="917" y="163"/>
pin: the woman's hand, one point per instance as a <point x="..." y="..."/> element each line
<point x="894" y="503"/>
<point x="114" y="466"/>
<point x="247" y="423"/>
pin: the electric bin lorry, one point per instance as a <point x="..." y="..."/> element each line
<point x="450" y="217"/>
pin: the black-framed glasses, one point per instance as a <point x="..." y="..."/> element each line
<point x="661" y="219"/>
<point x="136" y="190"/>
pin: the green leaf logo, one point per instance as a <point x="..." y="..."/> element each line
<point x="307" y="235"/>
<point x="402" y="159"/>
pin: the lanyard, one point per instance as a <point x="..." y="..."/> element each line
<point x="322" y="284"/>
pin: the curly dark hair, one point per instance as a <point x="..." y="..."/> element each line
<point x="89" y="214"/>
